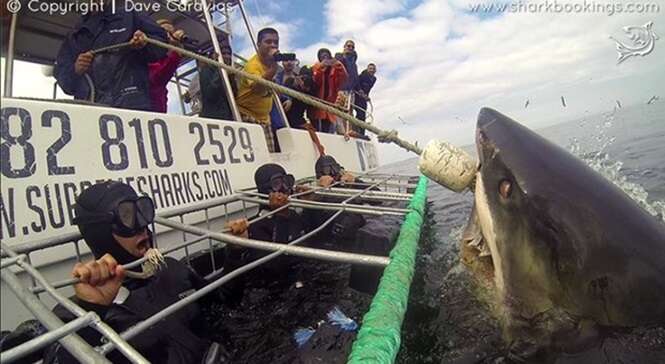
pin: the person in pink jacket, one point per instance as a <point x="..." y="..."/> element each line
<point x="160" y="72"/>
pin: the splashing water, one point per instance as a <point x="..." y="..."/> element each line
<point x="596" y="156"/>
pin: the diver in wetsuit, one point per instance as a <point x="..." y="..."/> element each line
<point x="329" y="171"/>
<point x="114" y="221"/>
<point x="284" y="226"/>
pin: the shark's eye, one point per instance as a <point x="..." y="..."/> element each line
<point x="505" y="188"/>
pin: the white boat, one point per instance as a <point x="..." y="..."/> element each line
<point x="198" y="171"/>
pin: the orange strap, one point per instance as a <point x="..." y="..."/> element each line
<point x="315" y="138"/>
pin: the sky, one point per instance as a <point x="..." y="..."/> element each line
<point x="439" y="62"/>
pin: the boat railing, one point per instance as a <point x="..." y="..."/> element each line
<point x="210" y="232"/>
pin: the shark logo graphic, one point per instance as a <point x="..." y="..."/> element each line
<point x="643" y="40"/>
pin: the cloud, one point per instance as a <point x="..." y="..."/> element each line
<point x="345" y="17"/>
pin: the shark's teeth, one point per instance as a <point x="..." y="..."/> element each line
<point x="485" y="251"/>
<point x="475" y="242"/>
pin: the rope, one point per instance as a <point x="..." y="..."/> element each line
<point x="387" y="136"/>
<point x="379" y="338"/>
<point x="315" y="139"/>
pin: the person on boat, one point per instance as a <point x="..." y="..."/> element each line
<point x="285" y="226"/>
<point x="297" y="109"/>
<point x="365" y="83"/>
<point x="119" y="77"/>
<point x="115" y="224"/>
<point x="214" y="97"/>
<point x="160" y="72"/>
<point x="287" y="72"/>
<point x="254" y="100"/>
<point x="349" y="58"/>
<point x="328" y="171"/>
<point x="193" y="95"/>
<point x="329" y="75"/>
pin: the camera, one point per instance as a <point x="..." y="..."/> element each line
<point x="280" y="57"/>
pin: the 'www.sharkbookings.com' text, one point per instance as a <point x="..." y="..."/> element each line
<point x="559" y="7"/>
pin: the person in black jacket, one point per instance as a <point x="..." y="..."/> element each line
<point x="214" y="96"/>
<point x="364" y="85"/>
<point x="114" y="221"/>
<point x="119" y="77"/>
<point x="329" y="171"/>
<point x="283" y="227"/>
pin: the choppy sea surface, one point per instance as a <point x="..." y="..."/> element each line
<point x="445" y="322"/>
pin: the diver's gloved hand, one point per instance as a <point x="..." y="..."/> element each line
<point x="138" y="40"/>
<point x="308" y="196"/>
<point x="100" y="280"/>
<point x="238" y="227"/>
<point x="326" y="181"/>
<point x="347" y="178"/>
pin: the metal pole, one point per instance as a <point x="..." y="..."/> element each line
<point x="315" y="205"/>
<point x="9" y="60"/>
<point x="136" y="263"/>
<point x="291" y="250"/>
<point x="229" y="31"/>
<point x="371" y="193"/>
<point x="177" y="85"/>
<point x="124" y="347"/>
<point x="11" y="261"/>
<point x="218" y="50"/>
<point x="365" y="198"/>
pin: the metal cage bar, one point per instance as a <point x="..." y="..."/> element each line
<point x="52" y="322"/>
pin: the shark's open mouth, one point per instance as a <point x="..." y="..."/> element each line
<point x="476" y="243"/>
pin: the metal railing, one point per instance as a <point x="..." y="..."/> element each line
<point x="393" y="191"/>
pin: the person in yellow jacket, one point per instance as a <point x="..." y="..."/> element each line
<point x="254" y="100"/>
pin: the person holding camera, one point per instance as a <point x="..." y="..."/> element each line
<point x="160" y="72"/>
<point x="254" y="100"/>
<point x="296" y="109"/>
<point x="329" y="75"/>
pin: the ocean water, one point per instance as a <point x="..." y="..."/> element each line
<point x="445" y="321"/>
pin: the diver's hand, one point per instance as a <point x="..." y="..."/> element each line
<point x="83" y="63"/>
<point x="238" y="227"/>
<point x="326" y="181"/>
<point x="307" y="196"/>
<point x="347" y="178"/>
<point x="287" y="105"/>
<point x="138" y="40"/>
<point x="100" y="280"/>
<point x="277" y="200"/>
<point x="176" y="37"/>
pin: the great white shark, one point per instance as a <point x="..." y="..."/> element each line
<point x="561" y="248"/>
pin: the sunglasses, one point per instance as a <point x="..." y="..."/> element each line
<point x="129" y="218"/>
<point x="282" y="183"/>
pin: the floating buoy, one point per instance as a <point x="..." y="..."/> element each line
<point x="447" y="165"/>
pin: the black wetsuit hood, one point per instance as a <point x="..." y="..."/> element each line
<point x="101" y="198"/>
